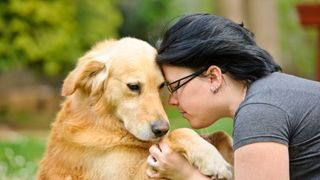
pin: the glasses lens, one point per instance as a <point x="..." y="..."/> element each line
<point x="174" y="86"/>
<point x="169" y="88"/>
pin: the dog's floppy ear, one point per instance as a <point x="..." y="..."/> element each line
<point x="84" y="77"/>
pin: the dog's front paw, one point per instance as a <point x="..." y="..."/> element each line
<point x="214" y="165"/>
<point x="200" y="153"/>
<point x="216" y="169"/>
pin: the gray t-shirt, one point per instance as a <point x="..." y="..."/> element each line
<point x="285" y="109"/>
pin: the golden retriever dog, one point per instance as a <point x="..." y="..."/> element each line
<point x="113" y="113"/>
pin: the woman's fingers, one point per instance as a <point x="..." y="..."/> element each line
<point x="162" y="163"/>
<point x="155" y="151"/>
<point x="164" y="148"/>
<point x="151" y="173"/>
<point x="152" y="162"/>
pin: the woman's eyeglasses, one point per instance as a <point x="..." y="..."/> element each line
<point x="174" y="86"/>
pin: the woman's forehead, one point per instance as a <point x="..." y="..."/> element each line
<point x="172" y="72"/>
<point x="169" y="69"/>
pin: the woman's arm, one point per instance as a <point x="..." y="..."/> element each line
<point x="263" y="160"/>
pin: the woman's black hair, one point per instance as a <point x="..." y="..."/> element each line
<point x="201" y="40"/>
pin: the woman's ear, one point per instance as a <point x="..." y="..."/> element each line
<point x="215" y="75"/>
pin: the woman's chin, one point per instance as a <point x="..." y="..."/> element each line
<point x="195" y="125"/>
<point x="194" y="122"/>
<point x="198" y="124"/>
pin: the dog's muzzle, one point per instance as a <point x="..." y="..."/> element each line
<point x="159" y="127"/>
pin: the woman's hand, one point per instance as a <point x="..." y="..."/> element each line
<point x="163" y="162"/>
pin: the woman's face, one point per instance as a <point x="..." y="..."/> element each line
<point x="194" y="99"/>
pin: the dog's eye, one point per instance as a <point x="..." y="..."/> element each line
<point x="134" y="87"/>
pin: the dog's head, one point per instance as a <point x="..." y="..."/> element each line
<point x="121" y="79"/>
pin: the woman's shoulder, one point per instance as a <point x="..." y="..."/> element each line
<point x="281" y="87"/>
<point x="278" y="80"/>
<point x="286" y="93"/>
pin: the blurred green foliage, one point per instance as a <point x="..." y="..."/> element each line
<point x="148" y="19"/>
<point x="144" y="19"/>
<point x="48" y="36"/>
<point x="177" y="121"/>
<point x="297" y="43"/>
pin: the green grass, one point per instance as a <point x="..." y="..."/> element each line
<point x="19" y="158"/>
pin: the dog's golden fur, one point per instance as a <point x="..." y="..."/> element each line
<point x="103" y="130"/>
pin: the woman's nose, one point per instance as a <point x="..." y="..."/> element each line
<point x="173" y="100"/>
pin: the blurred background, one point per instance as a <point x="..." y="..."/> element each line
<point x="40" y="41"/>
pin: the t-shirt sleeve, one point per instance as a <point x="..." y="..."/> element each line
<point x="260" y="123"/>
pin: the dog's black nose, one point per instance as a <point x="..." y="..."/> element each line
<point x="160" y="127"/>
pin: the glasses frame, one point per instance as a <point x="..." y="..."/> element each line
<point x="191" y="76"/>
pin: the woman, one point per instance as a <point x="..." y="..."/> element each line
<point x="213" y="69"/>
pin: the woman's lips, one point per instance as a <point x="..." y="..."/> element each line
<point x="180" y="110"/>
<point x="183" y="113"/>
